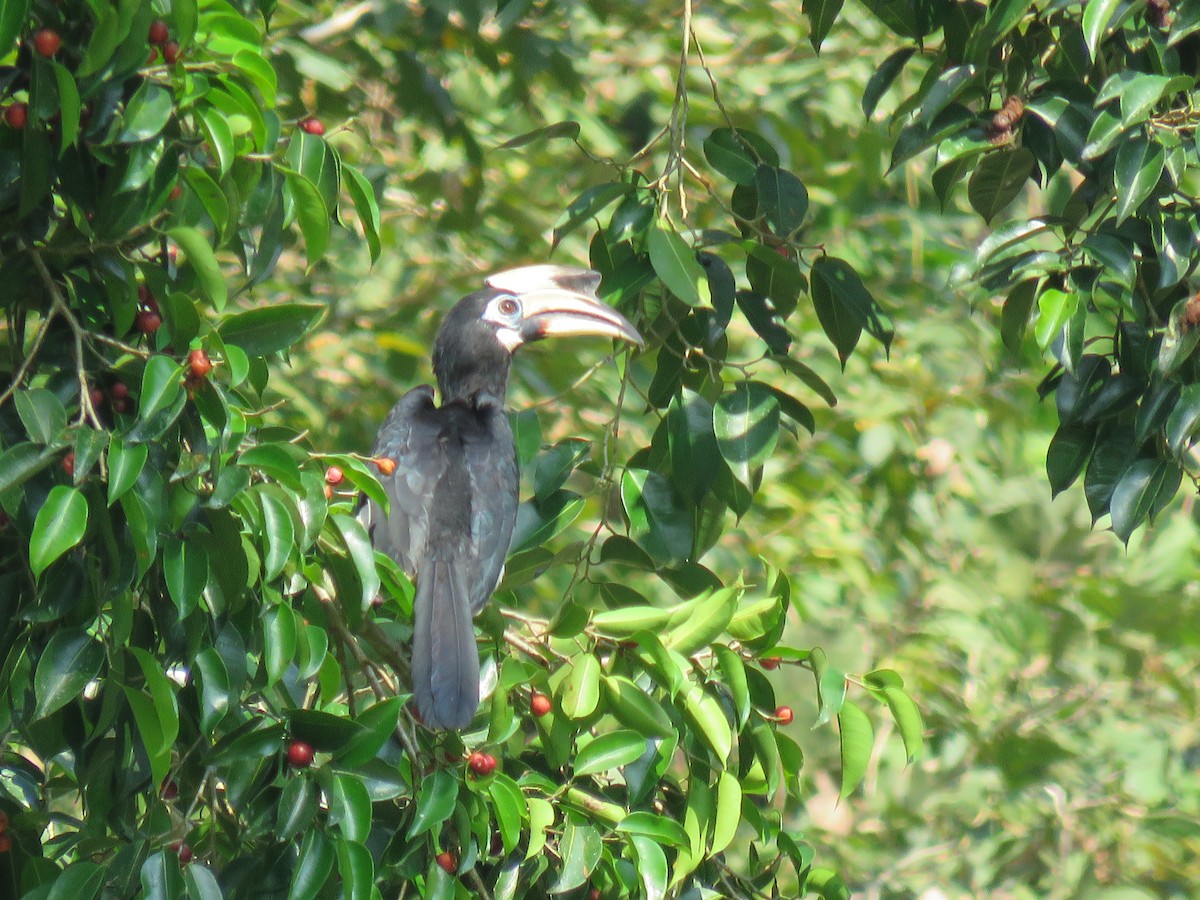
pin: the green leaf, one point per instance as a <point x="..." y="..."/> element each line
<point x="125" y="463"/>
<point x="908" y="720"/>
<point x="728" y="814"/>
<point x="746" y="423"/>
<point x="948" y="86"/>
<point x="580" y="691"/>
<point x="634" y="708"/>
<point x="660" y="828"/>
<point x="270" y="329"/>
<point x="579" y="849"/>
<point x="998" y="179"/>
<point x="279" y="642"/>
<point x="60" y="525"/>
<point x="357" y="869"/>
<point x="42" y="414"/>
<point x="586" y="206"/>
<point x="160" y="876"/>
<point x="146" y="113"/>
<point x="279" y="534"/>
<point x="1140" y="165"/>
<point x="435" y="802"/>
<point x="1097" y="14"/>
<point x="1069" y="451"/>
<point x="845" y="307"/>
<point x="508" y="802"/>
<point x="71" y="659"/>
<point x="216" y="695"/>
<point x="706" y="617"/>
<point x="1183" y="420"/>
<point x="200" y="257"/>
<point x="541" y="819"/>
<point x="857" y="741"/>
<point x="728" y="153"/>
<point x="12" y="20"/>
<point x="21" y="462"/>
<point x="202" y="884"/>
<point x="160" y="385"/>
<point x="782" y="198"/>
<point x="708" y="718"/>
<point x="821" y="16"/>
<point x="314" y="866"/>
<point x="1145" y="487"/>
<point x="311" y="213"/>
<point x="220" y="138"/>
<point x="609" y="751"/>
<point x="81" y="880"/>
<point x="1055" y="309"/>
<point x="658" y="519"/>
<point x="362" y="194"/>
<point x="185" y="570"/>
<point x="887" y="72"/>
<point x="676" y="265"/>
<point x="1014" y="318"/>
<point x="567" y="129"/>
<point x="652" y="867"/>
<point x="349" y="804"/>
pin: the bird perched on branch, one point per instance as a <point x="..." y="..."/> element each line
<point x="453" y="491"/>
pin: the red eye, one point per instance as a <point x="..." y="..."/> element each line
<point x="508" y="307"/>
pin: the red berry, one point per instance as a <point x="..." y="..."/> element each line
<point x="16" y="115"/>
<point x="159" y="32"/>
<point x="478" y="763"/>
<point x="171" y="52"/>
<point x="5" y="843"/>
<point x="152" y="57"/>
<point x="148" y="321"/>
<point x="96" y="396"/>
<point x="594" y="894"/>
<point x="300" y="754"/>
<point x="334" y="475"/>
<point x="68" y="463"/>
<point x="176" y="193"/>
<point x="312" y="126"/>
<point x="184" y="851"/>
<point x="199" y="364"/>
<point x="384" y="465"/>
<point x="784" y="715"/>
<point x="539" y="704"/>
<point x="169" y="790"/>
<point x="448" y="861"/>
<point x="770" y="663"/>
<point x="46" y="42"/>
<point x="119" y="390"/>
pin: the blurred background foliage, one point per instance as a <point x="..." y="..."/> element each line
<point x="1056" y="670"/>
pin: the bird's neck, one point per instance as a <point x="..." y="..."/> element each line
<point x="464" y="378"/>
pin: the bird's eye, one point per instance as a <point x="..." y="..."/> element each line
<point x="508" y="306"/>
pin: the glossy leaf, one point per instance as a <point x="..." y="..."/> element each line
<point x="609" y="751"/>
<point x="998" y="179"/>
<point x="676" y="265"/>
<point x="71" y="659"/>
<point x="60" y="524"/>
<point x="746" y="424"/>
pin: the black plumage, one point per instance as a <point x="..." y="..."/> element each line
<point x="454" y="492"/>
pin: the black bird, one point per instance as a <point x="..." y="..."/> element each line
<point x="453" y="495"/>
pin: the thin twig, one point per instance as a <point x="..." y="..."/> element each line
<point x="87" y="413"/>
<point x="19" y="375"/>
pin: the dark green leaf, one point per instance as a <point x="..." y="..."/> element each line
<point x="998" y="179"/>
<point x="71" y="659"/>
<point x="270" y="329"/>
<point x="746" y="423"/>
<point x="782" y="198"/>
<point x="1140" y="165"/>
<point x="882" y="79"/>
<point x="60" y="525"/>
<point x="676" y="266"/>
<point x="821" y="16"/>
<point x="42" y="414"/>
<point x="1144" y="487"/>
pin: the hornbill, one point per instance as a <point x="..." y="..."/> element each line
<point x="453" y="492"/>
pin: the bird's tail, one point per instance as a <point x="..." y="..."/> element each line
<point x="445" y="659"/>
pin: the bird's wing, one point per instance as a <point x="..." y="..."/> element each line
<point x="491" y="459"/>
<point x="410" y="438"/>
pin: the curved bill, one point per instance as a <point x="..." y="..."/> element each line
<point x="559" y="301"/>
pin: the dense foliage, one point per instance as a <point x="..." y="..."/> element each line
<point x="203" y="662"/>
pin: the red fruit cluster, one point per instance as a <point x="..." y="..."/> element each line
<point x="16" y="115"/>
<point x="46" y="42"/>
<point x="448" y="861"/>
<point x="481" y="763"/>
<point x="149" y="319"/>
<point x="539" y="704"/>
<point x="300" y="755"/>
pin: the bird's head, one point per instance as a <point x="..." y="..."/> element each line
<point x="478" y="337"/>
